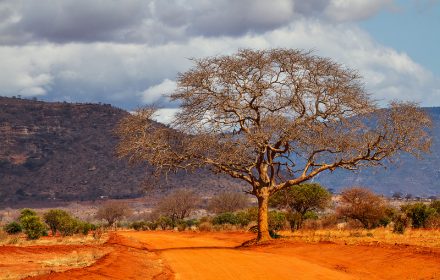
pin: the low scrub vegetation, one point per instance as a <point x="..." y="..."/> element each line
<point x="56" y="220"/>
<point x="303" y="207"/>
<point x="308" y="207"/>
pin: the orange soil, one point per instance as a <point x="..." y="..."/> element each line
<point x="168" y="255"/>
<point x="18" y="262"/>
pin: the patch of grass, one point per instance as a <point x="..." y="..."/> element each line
<point x="415" y="237"/>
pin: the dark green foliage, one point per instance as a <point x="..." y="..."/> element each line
<point x="301" y="199"/>
<point x="139" y="225"/>
<point x="26" y="212"/>
<point x="146" y="225"/>
<point x="226" y="218"/>
<point x="165" y="222"/>
<point x="63" y="222"/>
<point x="277" y="220"/>
<point x="69" y="226"/>
<point x="54" y="218"/>
<point x="84" y="227"/>
<point x="419" y="213"/>
<point x="13" y="228"/>
<point x="33" y="227"/>
<point x="436" y="206"/>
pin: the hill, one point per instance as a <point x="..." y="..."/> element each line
<point x="408" y="175"/>
<point x="65" y="152"/>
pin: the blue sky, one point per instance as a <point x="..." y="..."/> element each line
<point x="412" y="27"/>
<point x="128" y="53"/>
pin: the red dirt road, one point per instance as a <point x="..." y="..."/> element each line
<point x="174" y="255"/>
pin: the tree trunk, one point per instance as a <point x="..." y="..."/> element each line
<point x="263" y="223"/>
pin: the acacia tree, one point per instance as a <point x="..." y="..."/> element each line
<point x="273" y="119"/>
<point x="363" y="205"/>
<point x="178" y="205"/>
<point x="228" y="202"/>
<point x="113" y="211"/>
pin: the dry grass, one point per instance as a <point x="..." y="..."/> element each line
<point x="415" y="237"/>
<point x="20" y="240"/>
<point x="73" y="260"/>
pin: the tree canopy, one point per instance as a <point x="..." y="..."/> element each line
<point x="273" y="119"/>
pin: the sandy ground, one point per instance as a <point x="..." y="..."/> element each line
<point x="213" y="256"/>
<point x="187" y="255"/>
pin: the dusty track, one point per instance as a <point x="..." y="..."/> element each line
<point x="214" y="256"/>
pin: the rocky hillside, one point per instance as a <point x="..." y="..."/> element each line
<point x="63" y="151"/>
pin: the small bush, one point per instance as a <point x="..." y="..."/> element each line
<point x="419" y="214"/>
<point x="206" y="226"/>
<point x="140" y="225"/>
<point x="401" y="222"/>
<point x="277" y="220"/>
<point x="165" y="222"/>
<point x="226" y="218"/>
<point x="55" y="218"/>
<point x="13" y="228"/>
<point x="33" y="227"/>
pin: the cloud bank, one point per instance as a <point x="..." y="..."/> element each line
<point x="128" y="53"/>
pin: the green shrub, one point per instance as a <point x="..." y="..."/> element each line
<point x="165" y="222"/>
<point x="277" y="220"/>
<point x="26" y="212"/>
<point x="192" y="222"/>
<point x="295" y="220"/>
<point x="33" y="227"/>
<point x="419" y="213"/>
<point x="55" y="218"/>
<point x="226" y="218"/>
<point x="84" y="227"/>
<point x="436" y="206"/>
<point x="181" y="225"/>
<point x="69" y="226"/>
<point x="13" y="228"/>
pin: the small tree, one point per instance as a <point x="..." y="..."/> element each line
<point x="228" y="202"/>
<point x="273" y="119"/>
<point x="33" y="227"/>
<point x="301" y="199"/>
<point x="13" y="228"/>
<point x="362" y="205"/>
<point x="178" y="204"/>
<point x="113" y="211"/>
<point x="419" y="213"/>
<point x="55" y="218"/>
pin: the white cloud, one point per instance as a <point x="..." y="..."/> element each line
<point x="130" y="74"/>
<point x="165" y="115"/>
<point x="133" y="60"/>
<point x="156" y="92"/>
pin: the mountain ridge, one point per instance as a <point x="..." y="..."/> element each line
<point x="65" y="151"/>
